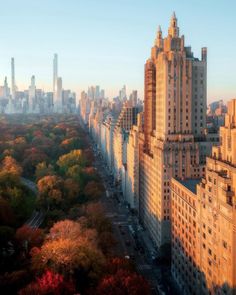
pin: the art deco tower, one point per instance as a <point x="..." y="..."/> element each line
<point x="174" y="121"/>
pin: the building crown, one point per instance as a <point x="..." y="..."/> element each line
<point x="173" y="29"/>
<point x="158" y="41"/>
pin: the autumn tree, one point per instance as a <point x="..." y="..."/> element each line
<point x="71" y="259"/>
<point x="10" y="165"/>
<point x="17" y="195"/>
<point x="93" y="190"/>
<point x="32" y="236"/>
<point x="117" y="263"/>
<point x="51" y="191"/>
<point x="72" y="189"/>
<point x="68" y="229"/>
<point x="49" y="283"/>
<point x="32" y="157"/>
<point x="96" y="218"/>
<point x="12" y="282"/>
<point x="74" y="172"/>
<point x="106" y="242"/>
<point x="123" y="283"/>
<point x="71" y="250"/>
<point x="66" y="161"/>
<point x="42" y="169"/>
<point x="71" y="143"/>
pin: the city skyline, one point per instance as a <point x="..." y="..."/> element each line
<point x="121" y="36"/>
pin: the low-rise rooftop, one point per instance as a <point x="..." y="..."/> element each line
<point x="190" y="184"/>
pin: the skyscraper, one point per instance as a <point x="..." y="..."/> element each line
<point x="58" y="102"/>
<point x="55" y="75"/>
<point x="174" y="124"/>
<point x="6" y="90"/>
<point x="13" y="86"/>
<point x="32" y="95"/>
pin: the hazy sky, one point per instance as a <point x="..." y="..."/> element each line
<point x="106" y="42"/>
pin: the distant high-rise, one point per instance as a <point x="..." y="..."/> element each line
<point x="102" y="93"/>
<point x="97" y="92"/>
<point x="32" y="95"/>
<point x="134" y="97"/>
<point x="6" y="90"/>
<point x="122" y="94"/>
<point x="13" y="86"/>
<point x="58" y="101"/>
<point x="55" y="74"/>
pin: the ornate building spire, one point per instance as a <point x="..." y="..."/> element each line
<point x="173" y="29"/>
<point x="159" y="40"/>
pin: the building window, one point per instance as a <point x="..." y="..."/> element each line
<point x="224" y="244"/>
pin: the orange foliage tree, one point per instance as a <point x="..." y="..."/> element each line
<point x="68" y="229"/>
<point x="10" y="165"/>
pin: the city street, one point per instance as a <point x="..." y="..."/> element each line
<point x="127" y="231"/>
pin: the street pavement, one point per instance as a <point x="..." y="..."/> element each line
<point x="127" y="231"/>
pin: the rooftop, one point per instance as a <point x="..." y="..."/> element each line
<point x="190" y="184"/>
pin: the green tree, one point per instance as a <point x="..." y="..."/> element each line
<point x="42" y="169"/>
<point x="51" y="191"/>
<point x="66" y="161"/>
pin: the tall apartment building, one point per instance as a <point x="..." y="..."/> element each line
<point x="108" y="153"/>
<point x="204" y="221"/>
<point x="125" y="121"/>
<point x="131" y="186"/>
<point x="174" y="127"/>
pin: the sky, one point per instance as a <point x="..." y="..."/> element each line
<point x="106" y="42"/>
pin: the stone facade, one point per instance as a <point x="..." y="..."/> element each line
<point x="204" y="221"/>
<point x="174" y="126"/>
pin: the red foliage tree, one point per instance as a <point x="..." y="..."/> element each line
<point x="49" y="283"/>
<point x="117" y="263"/>
<point x="123" y="283"/>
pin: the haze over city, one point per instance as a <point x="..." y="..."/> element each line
<point x="127" y="187"/>
<point x="106" y="42"/>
